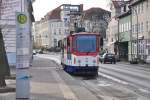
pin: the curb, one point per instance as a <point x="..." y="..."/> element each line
<point x="140" y="65"/>
<point x="12" y="77"/>
<point x="7" y="89"/>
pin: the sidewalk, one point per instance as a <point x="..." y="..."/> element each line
<point x="138" y="65"/>
<point x="50" y="82"/>
<point x="8" y="93"/>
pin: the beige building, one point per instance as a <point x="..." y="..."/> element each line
<point x="49" y="30"/>
<point x="41" y="33"/>
<point x="56" y="32"/>
<point x="140" y="28"/>
<point x="112" y="31"/>
<point x="111" y="35"/>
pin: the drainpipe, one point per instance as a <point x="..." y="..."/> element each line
<point x="118" y="39"/>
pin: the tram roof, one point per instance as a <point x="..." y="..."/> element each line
<point x="88" y="33"/>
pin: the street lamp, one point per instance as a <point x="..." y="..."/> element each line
<point x="137" y="35"/>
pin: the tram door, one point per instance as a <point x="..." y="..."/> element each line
<point x="69" y="46"/>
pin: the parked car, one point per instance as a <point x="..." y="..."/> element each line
<point x="107" y="57"/>
<point x="34" y="52"/>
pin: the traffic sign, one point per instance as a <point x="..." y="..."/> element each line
<point x="22" y="18"/>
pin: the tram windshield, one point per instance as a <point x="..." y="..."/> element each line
<point x="86" y="43"/>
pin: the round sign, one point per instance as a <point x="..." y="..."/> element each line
<point x="21" y="18"/>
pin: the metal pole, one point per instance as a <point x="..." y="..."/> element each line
<point x="137" y="38"/>
<point x="137" y="35"/>
<point x="131" y="36"/>
<point x="118" y="40"/>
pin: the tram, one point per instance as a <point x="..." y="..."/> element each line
<point x="80" y="54"/>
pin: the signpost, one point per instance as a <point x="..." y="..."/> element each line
<point x="22" y="55"/>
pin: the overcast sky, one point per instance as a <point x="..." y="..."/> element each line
<point x="41" y="7"/>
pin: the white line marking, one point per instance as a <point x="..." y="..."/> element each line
<point x="113" y="78"/>
<point x="144" y="90"/>
<point x="67" y="92"/>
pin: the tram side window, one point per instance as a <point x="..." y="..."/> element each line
<point x="74" y="44"/>
<point x="68" y="45"/>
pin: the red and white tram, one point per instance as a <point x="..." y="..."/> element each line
<point x="80" y="53"/>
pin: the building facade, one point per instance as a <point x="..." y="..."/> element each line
<point x="49" y="30"/>
<point x="96" y="20"/>
<point x="112" y="30"/>
<point x="8" y="10"/>
<point x="41" y="33"/>
<point x="56" y="32"/>
<point x="124" y="32"/>
<point x="140" y="41"/>
<point x="71" y="16"/>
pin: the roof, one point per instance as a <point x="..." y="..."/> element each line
<point x="94" y="11"/>
<point x="132" y="3"/>
<point x="54" y="14"/>
<point x="83" y="33"/>
<point x="118" y="4"/>
<point x="124" y="14"/>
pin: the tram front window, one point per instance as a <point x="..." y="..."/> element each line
<point x="86" y="43"/>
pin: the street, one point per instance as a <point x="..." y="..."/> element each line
<point x="50" y="82"/>
<point x="59" y="50"/>
<point x="120" y="81"/>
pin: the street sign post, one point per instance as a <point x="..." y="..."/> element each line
<point x="22" y="56"/>
<point x="23" y="41"/>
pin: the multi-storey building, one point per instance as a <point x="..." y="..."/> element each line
<point x="8" y="9"/>
<point x="49" y="30"/>
<point x="112" y="31"/>
<point x="124" y="32"/>
<point x="71" y="17"/>
<point x="41" y="33"/>
<point x="96" y="20"/>
<point x="66" y="18"/>
<point x="140" y="29"/>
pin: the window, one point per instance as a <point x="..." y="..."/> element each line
<point x="86" y="43"/>
<point x="59" y="31"/>
<point x="142" y="7"/>
<point x="147" y="3"/>
<point x="139" y="28"/>
<point x="139" y="8"/>
<point x="55" y="42"/>
<point x="127" y="26"/>
<point x="122" y="27"/>
<point x="112" y="40"/>
<point x="135" y="28"/>
<point x="142" y="27"/>
<point x="54" y="32"/>
<point x="132" y="28"/>
<point x="120" y="30"/>
<point x="147" y="25"/>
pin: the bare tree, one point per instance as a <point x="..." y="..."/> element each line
<point x="4" y="66"/>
